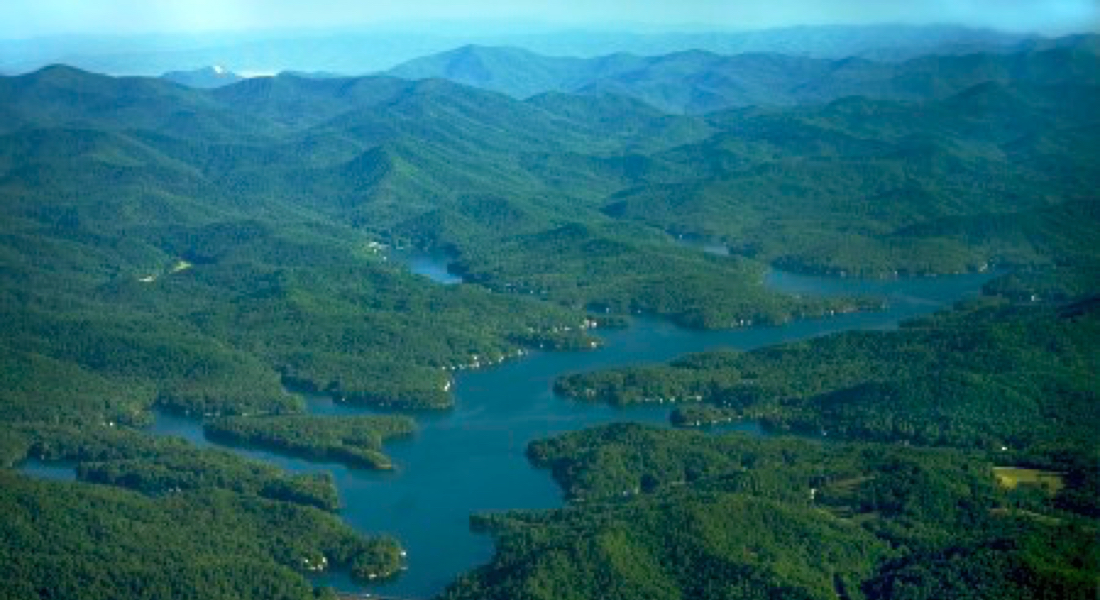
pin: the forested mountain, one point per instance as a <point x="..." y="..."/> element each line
<point x="343" y="52"/>
<point x="877" y="187"/>
<point x="197" y="250"/>
<point x="86" y="542"/>
<point x="965" y="468"/>
<point x="268" y="198"/>
<point x="674" y="515"/>
<point x="997" y="376"/>
<point x="697" y="82"/>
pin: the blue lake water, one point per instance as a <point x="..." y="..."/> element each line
<point x="431" y="264"/>
<point x="55" y="470"/>
<point x="471" y="459"/>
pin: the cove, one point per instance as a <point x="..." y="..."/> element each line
<point x="427" y="263"/>
<point x="53" y="470"/>
<point x="472" y="459"/>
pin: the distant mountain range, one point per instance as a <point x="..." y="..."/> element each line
<point x="206" y="77"/>
<point x="372" y="51"/>
<point x="873" y="159"/>
<point x="698" y="82"/>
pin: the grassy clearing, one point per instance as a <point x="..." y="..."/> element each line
<point x="1011" y="477"/>
<point x="181" y="265"/>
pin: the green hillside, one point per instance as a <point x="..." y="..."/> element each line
<point x="202" y="251"/>
<point x="992" y="376"/>
<point x="878" y="187"/>
<point x="676" y="515"/>
<point x="699" y="82"/>
<point x="953" y="458"/>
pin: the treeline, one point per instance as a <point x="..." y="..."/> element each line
<point x="356" y="441"/>
<point x="855" y="507"/>
<point x="1048" y="285"/>
<point x="994" y="376"/>
<point x="626" y="270"/>
<point x="72" y="540"/>
<point x="160" y="466"/>
<point x="997" y="174"/>
<point x="681" y="514"/>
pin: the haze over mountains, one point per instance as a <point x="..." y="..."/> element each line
<point x="206" y="77"/>
<point x="345" y="53"/>
<point x="700" y="82"/>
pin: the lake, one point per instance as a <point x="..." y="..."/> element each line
<point x="429" y="263"/>
<point x="471" y="459"/>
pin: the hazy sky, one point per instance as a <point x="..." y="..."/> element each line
<point x="27" y="18"/>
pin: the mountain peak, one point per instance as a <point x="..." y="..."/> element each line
<point x="59" y="72"/>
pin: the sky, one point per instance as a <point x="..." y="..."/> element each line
<point x="31" y="18"/>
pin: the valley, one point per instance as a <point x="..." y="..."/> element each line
<point x="445" y="331"/>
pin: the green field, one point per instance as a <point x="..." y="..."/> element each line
<point x="1012" y="477"/>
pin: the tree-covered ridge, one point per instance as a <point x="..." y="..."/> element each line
<point x="65" y="540"/>
<point x="219" y="314"/>
<point x="169" y="471"/>
<point x="698" y="82"/>
<point x="139" y="213"/>
<point x="1060" y="284"/>
<point x="996" y="174"/>
<point x="990" y="376"/>
<point x="159" y="466"/>
<point x="1004" y="384"/>
<point x="608" y="271"/>
<point x="680" y="546"/>
<point x="682" y="514"/>
<point x="355" y="440"/>
<point x="602" y="464"/>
